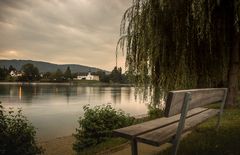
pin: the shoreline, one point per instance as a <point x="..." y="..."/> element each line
<point x="34" y="83"/>
<point x="72" y="83"/>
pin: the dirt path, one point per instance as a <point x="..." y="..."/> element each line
<point x="63" y="146"/>
<point x="58" y="146"/>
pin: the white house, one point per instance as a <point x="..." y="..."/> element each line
<point x="15" y="73"/>
<point x="89" y="76"/>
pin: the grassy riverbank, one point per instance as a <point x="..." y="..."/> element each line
<point x="206" y="140"/>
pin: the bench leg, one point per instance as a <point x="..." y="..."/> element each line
<point x="175" y="146"/>
<point x="221" y="110"/>
<point x="134" y="147"/>
<point x="181" y="124"/>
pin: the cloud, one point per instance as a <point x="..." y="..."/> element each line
<point x="62" y="31"/>
<point x="9" y="54"/>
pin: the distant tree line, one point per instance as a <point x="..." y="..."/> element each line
<point x="3" y="73"/>
<point x="58" y="76"/>
<point x="116" y="76"/>
<point x="30" y="73"/>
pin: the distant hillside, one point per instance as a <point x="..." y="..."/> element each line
<point x="48" y="67"/>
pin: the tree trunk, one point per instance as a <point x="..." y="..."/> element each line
<point x="233" y="72"/>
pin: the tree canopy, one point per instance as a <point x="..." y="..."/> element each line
<point x="58" y="75"/>
<point x="31" y="73"/>
<point x="181" y="44"/>
<point x="68" y="73"/>
<point x="3" y="73"/>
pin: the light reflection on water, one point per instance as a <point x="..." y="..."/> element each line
<point x="54" y="108"/>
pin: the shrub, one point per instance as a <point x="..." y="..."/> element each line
<point x="17" y="135"/>
<point x="154" y="112"/>
<point x="97" y="125"/>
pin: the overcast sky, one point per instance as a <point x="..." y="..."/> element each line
<point x="62" y="31"/>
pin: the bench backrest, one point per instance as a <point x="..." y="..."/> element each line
<point x="200" y="97"/>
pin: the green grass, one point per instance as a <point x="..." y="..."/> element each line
<point x="205" y="140"/>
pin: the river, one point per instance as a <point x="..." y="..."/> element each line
<point x="55" y="108"/>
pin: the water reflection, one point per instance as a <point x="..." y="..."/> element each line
<point x="54" y="109"/>
<point x="28" y="94"/>
<point x="20" y="93"/>
<point x="116" y="95"/>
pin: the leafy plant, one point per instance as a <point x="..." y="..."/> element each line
<point x="97" y="125"/>
<point x="17" y="135"/>
<point x="154" y="112"/>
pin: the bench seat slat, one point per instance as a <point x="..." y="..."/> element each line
<point x="162" y="135"/>
<point x="134" y="130"/>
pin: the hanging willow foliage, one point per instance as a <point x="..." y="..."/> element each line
<point x="179" y="44"/>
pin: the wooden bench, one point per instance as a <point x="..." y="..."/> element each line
<point x="184" y="111"/>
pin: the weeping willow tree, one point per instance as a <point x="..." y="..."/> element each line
<point x="182" y="44"/>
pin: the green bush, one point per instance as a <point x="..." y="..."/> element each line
<point x="97" y="125"/>
<point x="16" y="134"/>
<point x="154" y="112"/>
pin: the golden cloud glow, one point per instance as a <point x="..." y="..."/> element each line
<point x="13" y="53"/>
<point x="10" y="54"/>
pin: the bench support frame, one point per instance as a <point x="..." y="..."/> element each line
<point x="221" y="109"/>
<point x="176" y="140"/>
<point x="186" y="102"/>
<point x="134" y="147"/>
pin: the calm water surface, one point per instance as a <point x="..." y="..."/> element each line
<point x="54" y="108"/>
